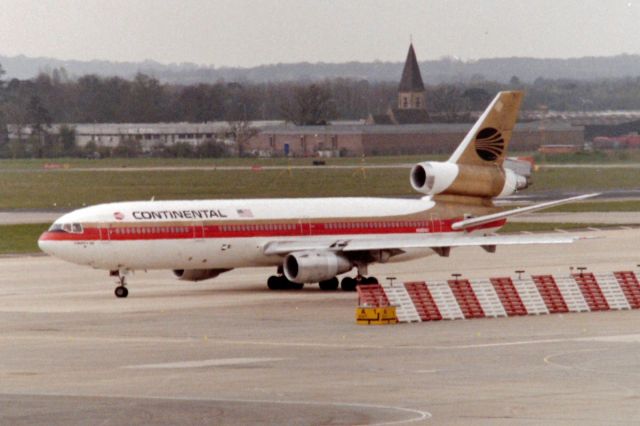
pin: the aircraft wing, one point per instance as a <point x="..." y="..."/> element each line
<point x="354" y="244"/>
<point x="441" y="243"/>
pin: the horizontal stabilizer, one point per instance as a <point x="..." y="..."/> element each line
<point x="481" y="220"/>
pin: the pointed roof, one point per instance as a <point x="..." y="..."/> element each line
<point x="411" y="78"/>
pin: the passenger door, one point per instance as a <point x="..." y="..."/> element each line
<point x="435" y="224"/>
<point x="105" y="231"/>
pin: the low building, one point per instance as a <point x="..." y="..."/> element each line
<point x="148" y="134"/>
<point x="559" y="149"/>
<point x="363" y="139"/>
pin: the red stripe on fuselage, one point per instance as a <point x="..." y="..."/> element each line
<point x="157" y="231"/>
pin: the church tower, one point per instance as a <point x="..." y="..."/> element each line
<point x="411" y="93"/>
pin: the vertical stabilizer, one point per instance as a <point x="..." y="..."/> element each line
<point x="487" y="142"/>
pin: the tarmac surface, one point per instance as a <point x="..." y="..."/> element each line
<point x="229" y="351"/>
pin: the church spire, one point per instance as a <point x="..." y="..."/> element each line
<point x="411" y="79"/>
<point x="411" y="93"/>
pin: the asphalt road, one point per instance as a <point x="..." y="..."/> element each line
<point x="228" y="351"/>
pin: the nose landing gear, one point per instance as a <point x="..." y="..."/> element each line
<point x="121" y="290"/>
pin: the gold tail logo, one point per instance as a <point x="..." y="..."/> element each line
<point x="488" y="140"/>
<point x="489" y="144"/>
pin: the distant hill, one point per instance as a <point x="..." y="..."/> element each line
<point x="444" y="70"/>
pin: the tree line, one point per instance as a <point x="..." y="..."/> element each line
<point x="54" y="97"/>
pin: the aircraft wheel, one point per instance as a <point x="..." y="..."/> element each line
<point x="275" y="283"/>
<point x="348" y="284"/>
<point x="295" y="286"/>
<point x="121" y="292"/>
<point x="329" y="285"/>
<point x="370" y="280"/>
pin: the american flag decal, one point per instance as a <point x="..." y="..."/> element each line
<point x="244" y="213"/>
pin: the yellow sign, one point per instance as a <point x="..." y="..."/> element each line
<point x="376" y="316"/>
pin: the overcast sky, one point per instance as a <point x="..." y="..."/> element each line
<point x="248" y="33"/>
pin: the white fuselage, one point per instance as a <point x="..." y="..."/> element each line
<point x="226" y="234"/>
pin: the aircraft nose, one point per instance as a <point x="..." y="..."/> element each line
<point x="44" y="243"/>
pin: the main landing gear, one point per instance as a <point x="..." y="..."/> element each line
<point x="280" y="282"/>
<point x="350" y="284"/>
<point x="121" y="290"/>
<point x="347" y="284"/>
<point x="329" y="285"/>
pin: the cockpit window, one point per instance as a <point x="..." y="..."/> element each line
<point x="56" y="227"/>
<point x="71" y="228"/>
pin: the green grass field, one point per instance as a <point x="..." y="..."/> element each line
<point x="599" y="206"/>
<point x="39" y="189"/>
<point x="78" y="163"/>
<point x="67" y="190"/>
<point x="512" y="227"/>
<point x="597" y="157"/>
<point x="590" y="157"/>
<point x="585" y="179"/>
<point x="15" y="239"/>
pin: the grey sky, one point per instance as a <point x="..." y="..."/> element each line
<point x="248" y="33"/>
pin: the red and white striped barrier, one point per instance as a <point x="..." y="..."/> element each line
<point x="505" y="296"/>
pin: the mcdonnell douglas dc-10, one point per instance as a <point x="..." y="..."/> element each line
<point x="313" y="240"/>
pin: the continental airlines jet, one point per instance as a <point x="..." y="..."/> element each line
<point x="312" y="240"/>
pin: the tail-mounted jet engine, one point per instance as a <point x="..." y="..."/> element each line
<point x="433" y="177"/>
<point x="314" y="266"/>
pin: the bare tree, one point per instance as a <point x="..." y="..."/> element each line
<point x="4" y="132"/>
<point x="311" y="105"/>
<point x="241" y="132"/>
<point x="447" y="101"/>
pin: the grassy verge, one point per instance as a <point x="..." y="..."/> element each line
<point x="46" y="190"/>
<point x="15" y="239"/>
<point x="583" y="180"/>
<point x="79" y="163"/>
<point x="592" y="157"/>
<point x="595" y="157"/>
<point x="67" y="190"/>
<point x="598" y="206"/>
<point x="552" y="226"/>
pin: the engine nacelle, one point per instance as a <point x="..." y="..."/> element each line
<point x="433" y="178"/>
<point x="197" y="274"/>
<point x="513" y="182"/>
<point x="314" y="266"/>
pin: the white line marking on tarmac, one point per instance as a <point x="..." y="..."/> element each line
<point x="623" y="338"/>
<point x="627" y="338"/>
<point x="205" y="363"/>
<point x="502" y="344"/>
<point x="549" y="360"/>
<point x="418" y="415"/>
